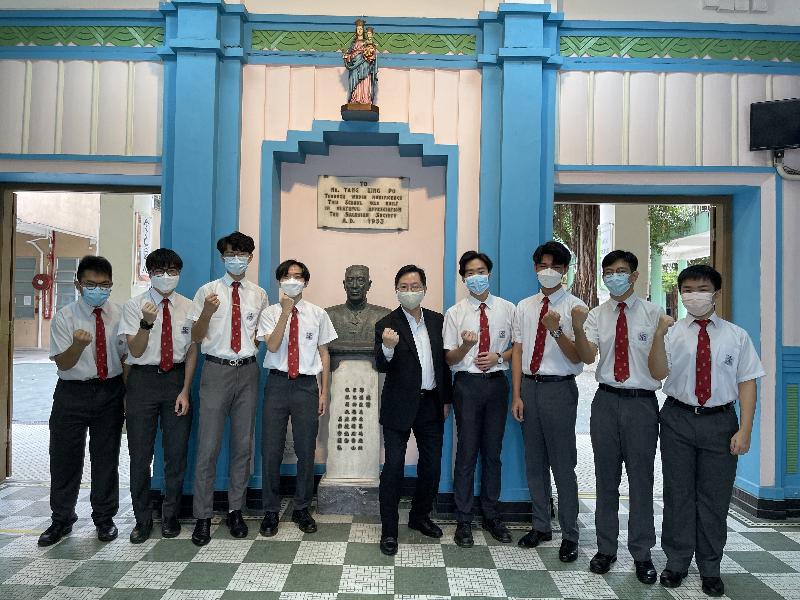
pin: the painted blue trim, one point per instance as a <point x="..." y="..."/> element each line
<point x="112" y="158"/>
<point x="689" y="65"/>
<point x="520" y="8"/>
<point x="80" y="17"/>
<point x="679" y="29"/>
<point x="680" y="190"/>
<point x="78" y="179"/>
<point x="78" y="53"/>
<point x="663" y="169"/>
<point x="780" y="393"/>
<point x="760" y="491"/>
<point x="411" y="61"/>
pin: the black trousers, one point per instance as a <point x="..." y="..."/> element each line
<point x="428" y="429"/>
<point x="151" y="400"/>
<point x="78" y="406"/>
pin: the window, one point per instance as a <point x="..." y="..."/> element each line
<point x="24" y="294"/>
<point x="66" y="270"/>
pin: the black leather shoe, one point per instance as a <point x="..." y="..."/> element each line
<point x="498" y="530"/>
<point x="533" y="538"/>
<point x="389" y="545"/>
<point x="107" y="531"/>
<point x="202" y="532"/>
<point x="236" y="524"/>
<point x="645" y="571"/>
<point x="671" y="579"/>
<point x="141" y="533"/>
<point x="463" y="536"/>
<point x="425" y="527"/>
<point x="269" y="524"/>
<point x="568" y="551"/>
<point x="55" y="532"/>
<point x="170" y="527"/>
<point x="305" y="522"/>
<point x="713" y="586"/>
<point x="601" y="563"/>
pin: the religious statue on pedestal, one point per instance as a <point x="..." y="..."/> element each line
<point x="361" y="61"/>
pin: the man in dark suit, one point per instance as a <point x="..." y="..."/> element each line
<point x="416" y="395"/>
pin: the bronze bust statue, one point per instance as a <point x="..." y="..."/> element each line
<point x="355" y="319"/>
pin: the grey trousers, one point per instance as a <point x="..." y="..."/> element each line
<point x="225" y="391"/>
<point x="297" y="399"/>
<point x="624" y="429"/>
<point x="150" y="402"/>
<point x="481" y="407"/>
<point x="699" y="471"/>
<point x="548" y="429"/>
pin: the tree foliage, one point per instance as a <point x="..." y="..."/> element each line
<point x="668" y="222"/>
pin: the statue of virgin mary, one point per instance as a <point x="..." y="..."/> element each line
<point x="361" y="61"/>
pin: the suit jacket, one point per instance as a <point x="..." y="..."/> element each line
<point x="401" y="389"/>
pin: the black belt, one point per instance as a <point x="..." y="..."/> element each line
<point x="427" y="392"/>
<point x="231" y="362"/>
<point x="699" y="410"/>
<point x="549" y="378"/>
<point x="92" y="380"/>
<point x="286" y="375"/>
<point x="627" y="392"/>
<point x="157" y="368"/>
<point x="482" y="375"/>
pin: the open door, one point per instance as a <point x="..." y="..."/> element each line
<point x="8" y="222"/>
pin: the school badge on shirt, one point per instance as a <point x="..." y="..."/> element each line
<point x="503" y="334"/>
<point x="309" y="335"/>
<point x="185" y="330"/>
<point x="251" y="316"/>
<point x="729" y="360"/>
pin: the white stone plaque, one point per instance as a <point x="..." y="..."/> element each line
<point x="362" y="202"/>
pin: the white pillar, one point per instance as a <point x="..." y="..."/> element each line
<point x="626" y="227"/>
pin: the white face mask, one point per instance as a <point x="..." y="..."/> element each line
<point x="410" y="300"/>
<point x="292" y="287"/>
<point x="698" y="304"/>
<point x="549" y="278"/>
<point x="236" y="265"/>
<point x="165" y="283"/>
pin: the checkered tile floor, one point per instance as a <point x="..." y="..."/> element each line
<point x="342" y="561"/>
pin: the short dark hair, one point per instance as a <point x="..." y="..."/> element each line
<point x="701" y="272"/>
<point x="623" y="255"/>
<point x="411" y="269"/>
<point x="98" y="264"/>
<point x="561" y="256"/>
<point x="283" y="269"/>
<point x="163" y="258"/>
<point x="238" y="242"/>
<point x="472" y="255"/>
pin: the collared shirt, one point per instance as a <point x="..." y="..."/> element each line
<point x="601" y="330"/>
<point x="314" y="329"/>
<point x="179" y="308"/>
<point x="526" y="323"/>
<point x="466" y="316"/>
<point x="733" y="360"/>
<point x="252" y="300"/>
<point x="423" y="343"/>
<point x="79" y="315"/>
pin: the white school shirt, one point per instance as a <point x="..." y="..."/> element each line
<point x="601" y="329"/>
<point x="80" y="315"/>
<point x="733" y="360"/>
<point x="466" y="315"/>
<point x="179" y="308"/>
<point x="526" y="323"/>
<point x="314" y="329"/>
<point x="422" y="341"/>
<point x="252" y="301"/>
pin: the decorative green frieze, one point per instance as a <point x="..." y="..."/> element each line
<point x="333" y="41"/>
<point x="670" y="47"/>
<point x="51" y="35"/>
<point x="792" y="420"/>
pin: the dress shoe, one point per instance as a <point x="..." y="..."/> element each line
<point x="713" y="586"/>
<point x="388" y="545"/>
<point x="425" y="527"/>
<point x="202" y="532"/>
<point x="533" y="538"/>
<point x="498" y="530"/>
<point x="170" y="527"/>
<point x="236" y="524"/>
<point x="671" y="579"/>
<point x="463" y="536"/>
<point x="568" y="551"/>
<point x="55" y="532"/>
<point x="106" y="531"/>
<point x="601" y="563"/>
<point x="141" y="533"/>
<point x="305" y="522"/>
<point x="645" y="571"/>
<point x="269" y="524"/>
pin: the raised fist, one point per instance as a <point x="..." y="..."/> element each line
<point x="149" y="312"/>
<point x="211" y="304"/>
<point x="579" y="315"/>
<point x="81" y="338"/>
<point x="287" y="304"/>
<point x="470" y="338"/>
<point x="551" y="320"/>
<point x="390" y="338"/>
<point x="664" y="323"/>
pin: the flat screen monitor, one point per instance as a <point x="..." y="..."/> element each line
<point x="775" y="125"/>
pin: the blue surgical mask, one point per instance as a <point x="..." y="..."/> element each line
<point x="477" y="284"/>
<point x="617" y="283"/>
<point x="236" y="265"/>
<point x="96" y="297"/>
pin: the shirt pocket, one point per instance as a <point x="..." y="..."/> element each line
<point x="726" y="358"/>
<point x="642" y="336"/>
<point x="250" y="315"/>
<point x="308" y="339"/>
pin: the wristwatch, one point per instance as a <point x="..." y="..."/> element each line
<point x="145" y="325"/>
<point x="499" y="359"/>
<point x="557" y="333"/>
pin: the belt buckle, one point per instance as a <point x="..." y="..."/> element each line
<point x="697" y="410"/>
<point x="235" y="362"/>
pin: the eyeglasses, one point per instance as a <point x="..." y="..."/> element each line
<point x="236" y="254"/>
<point x="91" y="285"/>
<point x="410" y="288"/>
<point x="620" y="271"/>
<point x="159" y="272"/>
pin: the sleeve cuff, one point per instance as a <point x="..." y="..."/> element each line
<point x="388" y="353"/>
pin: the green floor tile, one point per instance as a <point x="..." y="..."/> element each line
<point x="551" y="561"/>
<point x="412" y="536"/>
<point x="772" y="541"/>
<point x="23" y="592"/>
<point x="366" y="554"/>
<point x="75" y="548"/>
<point x="172" y="551"/>
<point x="233" y="595"/>
<point x="272" y="552"/>
<point x="9" y="566"/>
<point x="526" y="584"/>
<point x="477" y="557"/>
<point x="205" y="576"/>
<point x="313" y="578"/>
<point x="328" y="532"/>
<point x="375" y="519"/>
<point x="29" y="493"/>
<point x="428" y="581"/>
<point x="743" y="586"/>
<point x="6" y="539"/>
<point x="35" y="509"/>
<point x="133" y="594"/>
<point x="625" y="585"/>
<point x="97" y="573"/>
<point x="760" y="562"/>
